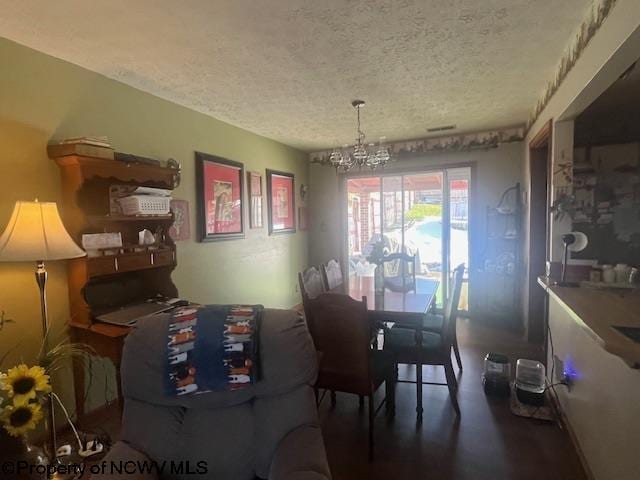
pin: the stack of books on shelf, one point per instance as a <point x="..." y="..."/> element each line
<point x="97" y="147"/>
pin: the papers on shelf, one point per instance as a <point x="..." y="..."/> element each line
<point x="156" y="192"/>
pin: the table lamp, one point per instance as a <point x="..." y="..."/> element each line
<point x="573" y="242"/>
<point x="36" y="233"/>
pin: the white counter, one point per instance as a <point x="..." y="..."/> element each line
<point x="602" y="407"/>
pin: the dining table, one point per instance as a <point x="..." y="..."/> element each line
<point x="402" y="309"/>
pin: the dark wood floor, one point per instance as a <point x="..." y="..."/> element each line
<point x="488" y="442"/>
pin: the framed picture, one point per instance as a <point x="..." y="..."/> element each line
<point x="254" y="179"/>
<point x="180" y="229"/>
<point x="220" y="192"/>
<point x="281" y="201"/>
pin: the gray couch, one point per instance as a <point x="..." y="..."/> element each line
<point x="269" y="430"/>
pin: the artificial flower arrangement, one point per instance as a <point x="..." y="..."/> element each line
<point x="24" y="389"/>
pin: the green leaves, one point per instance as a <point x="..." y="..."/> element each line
<point x="420" y="211"/>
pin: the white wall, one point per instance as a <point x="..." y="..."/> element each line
<point x="602" y="405"/>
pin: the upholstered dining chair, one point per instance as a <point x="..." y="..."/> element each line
<point x="434" y="322"/>
<point x="399" y="272"/>
<point x="332" y="274"/>
<point x="311" y="286"/>
<point x="348" y="363"/>
<point x="422" y="347"/>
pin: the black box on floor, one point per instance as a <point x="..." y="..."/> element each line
<point x="530" y="398"/>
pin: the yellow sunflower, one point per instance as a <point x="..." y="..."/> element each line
<point x="23" y="382"/>
<point x="19" y="419"/>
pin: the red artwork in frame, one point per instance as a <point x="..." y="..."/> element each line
<point x="281" y="199"/>
<point x="220" y="184"/>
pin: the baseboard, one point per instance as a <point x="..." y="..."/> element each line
<point x="555" y="405"/>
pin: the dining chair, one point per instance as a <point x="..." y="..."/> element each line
<point x="433" y="322"/>
<point x="331" y="274"/>
<point x="399" y="272"/>
<point x="311" y="284"/>
<point x="422" y="347"/>
<point x="347" y="361"/>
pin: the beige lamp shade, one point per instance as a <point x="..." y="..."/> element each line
<point x="35" y="232"/>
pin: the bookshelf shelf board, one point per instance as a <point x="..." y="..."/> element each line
<point x="128" y="218"/>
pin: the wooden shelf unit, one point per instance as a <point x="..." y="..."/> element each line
<point x="499" y="285"/>
<point x="128" y="262"/>
<point x="85" y="209"/>
<point x="103" y="219"/>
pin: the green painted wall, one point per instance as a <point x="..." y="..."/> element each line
<point x="43" y="98"/>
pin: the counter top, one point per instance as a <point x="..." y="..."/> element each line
<point x="598" y="311"/>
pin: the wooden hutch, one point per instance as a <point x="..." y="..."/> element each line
<point x="97" y="284"/>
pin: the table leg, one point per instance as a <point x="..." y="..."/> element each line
<point x="419" y="391"/>
<point x="419" y="409"/>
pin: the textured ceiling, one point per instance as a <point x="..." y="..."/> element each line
<point x="288" y="69"/>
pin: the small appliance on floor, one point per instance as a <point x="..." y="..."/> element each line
<point x="497" y="375"/>
<point x="530" y="382"/>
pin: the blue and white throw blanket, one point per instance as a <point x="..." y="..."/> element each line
<point x="212" y="348"/>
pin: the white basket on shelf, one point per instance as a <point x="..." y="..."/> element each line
<point x="145" y="205"/>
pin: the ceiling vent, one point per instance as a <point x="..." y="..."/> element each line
<point x="441" y="129"/>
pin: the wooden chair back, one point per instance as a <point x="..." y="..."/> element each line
<point x="342" y="334"/>
<point x="332" y="274"/>
<point x="450" y="313"/>
<point x="405" y="280"/>
<point x="311" y="284"/>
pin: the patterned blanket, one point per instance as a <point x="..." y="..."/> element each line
<point x="212" y="348"/>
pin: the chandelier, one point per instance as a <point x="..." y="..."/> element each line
<point x="360" y="155"/>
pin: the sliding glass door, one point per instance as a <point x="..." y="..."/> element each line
<point x="422" y="214"/>
<point x="458" y="188"/>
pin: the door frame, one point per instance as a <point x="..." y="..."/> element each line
<point x="538" y="247"/>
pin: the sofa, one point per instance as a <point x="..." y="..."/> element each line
<point x="268" y="430"/>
